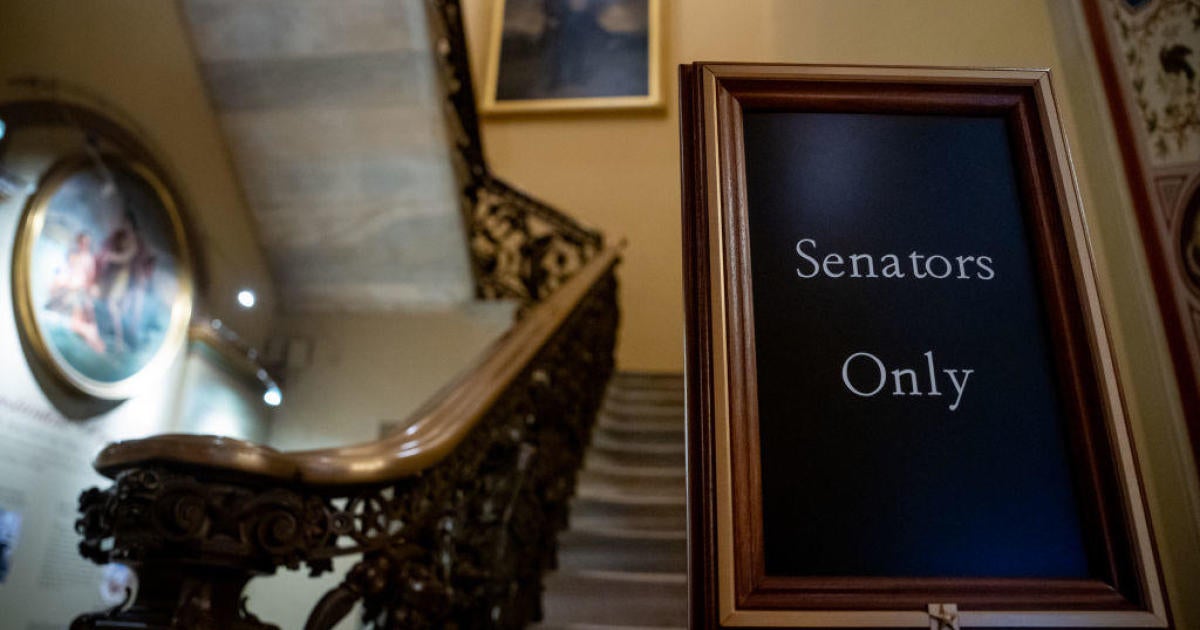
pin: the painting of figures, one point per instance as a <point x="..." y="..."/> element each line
<point x="573" y="54"/>
<point x="102" y="274"/>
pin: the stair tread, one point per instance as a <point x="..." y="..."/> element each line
<point x="635" y="524"/>
<point x="621" y="423"/>
<point x="646" y="474"/>
<point x="652" y="397"/>
<point x="605" y="468"/>
<point x="632" y="409"/>
<point x="633" y="486"/>
<point x="641" y="577"/>
<point x="600" y="531"/>
<point x="668" y="378"/>
<point x="603" y="627"/>
<point x="664" y="394"/>
<point x="609" y="443"/>
<point x="623" y="559"/>
<point x="630" y="513"/>
<point x="616" y="598"/>
<point x="607" y="462"/>
<point x="612" y="521"/>
<point x="616" y="495"/>
<point x="637" y="423"/>
<point x="636" y="436"/>
<point x="627" y="555"/>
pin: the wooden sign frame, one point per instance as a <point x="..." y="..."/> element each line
<point x="729" y="586"/>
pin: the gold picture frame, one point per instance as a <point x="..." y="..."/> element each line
<point x="570" y="79"/>
<point x="102" y="275"/>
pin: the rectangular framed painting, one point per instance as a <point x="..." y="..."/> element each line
<point x="564" y="55"/>
<point x="902" y="405"/>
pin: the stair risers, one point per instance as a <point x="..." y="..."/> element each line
<point x="622" y="564"/>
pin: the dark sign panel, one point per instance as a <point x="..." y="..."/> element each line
<point x="902" y="357"/>
<point x="901" y="402"/>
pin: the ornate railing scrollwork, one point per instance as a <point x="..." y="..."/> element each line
<point x="453" y="65"/>
<point x="520" y="248"/>
<point x="462" y="542"/>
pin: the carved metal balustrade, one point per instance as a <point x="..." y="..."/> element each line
<point x="455" y="516"/>
<point x="520" y="248"/>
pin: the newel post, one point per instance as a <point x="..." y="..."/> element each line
<point x="194" y="545"/>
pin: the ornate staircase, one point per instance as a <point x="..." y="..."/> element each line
<point x="622" y="563"/>
<point x="453" y="516"/>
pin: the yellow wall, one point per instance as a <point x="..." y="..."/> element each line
<point x="135" y="56"/>
<point x="620" y="172"/>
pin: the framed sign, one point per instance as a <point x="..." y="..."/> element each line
<point x="902" y="406"/>
<point x="564" y="55"/>
<point x="102" y="276"/>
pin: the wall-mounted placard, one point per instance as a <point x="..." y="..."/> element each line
<point x="902" y="406"/>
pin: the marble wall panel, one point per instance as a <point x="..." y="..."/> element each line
<point x="334" y="132"/>
<point x="268" y="29"/>
<point x="434" y="290"/>
<point x="361" y="79"/>
<point x="414" y="262"/>
<point x="332" y="181"/>
<point x="331" y="112"/>
<point x="346" y="223"/>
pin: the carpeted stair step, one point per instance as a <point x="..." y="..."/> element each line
<point x="644" y="600"/>
<point x="623" y="560"/>
<point x="639" y="381"/>
<point x="645" y="432"/>
<point x="673" y="516"/>
<point x="609" y="549"/>
<point x="637" y="453"/>
<point x="643" y="481"/>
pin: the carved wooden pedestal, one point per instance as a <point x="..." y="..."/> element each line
<point x="195" y="544"/>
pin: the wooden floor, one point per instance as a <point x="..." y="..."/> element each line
<point x="623" y="561"/>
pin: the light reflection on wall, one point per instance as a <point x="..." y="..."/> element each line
<point x="215" y="400"/>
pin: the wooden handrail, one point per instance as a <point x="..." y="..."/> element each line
<point x="433" y="432"/>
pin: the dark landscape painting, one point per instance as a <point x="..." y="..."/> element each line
<point x="569" y="49"/>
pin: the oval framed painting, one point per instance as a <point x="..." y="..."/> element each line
<point x="102" y="275"/>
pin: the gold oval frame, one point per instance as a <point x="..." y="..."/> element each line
<point x="29" y="231"/>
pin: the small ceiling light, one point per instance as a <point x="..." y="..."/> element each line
<point x="246" y="298"/>
<point x="273" y="397"/>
